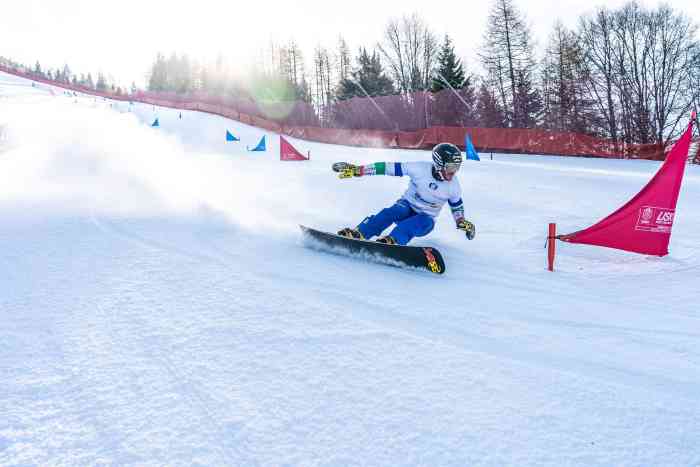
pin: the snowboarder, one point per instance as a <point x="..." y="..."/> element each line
<point x="432" y="184"/>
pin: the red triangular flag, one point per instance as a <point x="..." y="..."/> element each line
<point x="643" y="225"/>
<point x="288" y="153"/>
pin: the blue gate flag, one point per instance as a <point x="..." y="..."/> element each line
<point x="260" y="146"/>
<point x="472" y="155"/>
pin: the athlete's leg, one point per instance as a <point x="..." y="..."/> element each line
<point x="375" y="225"/>
<point x="418" y="225"/>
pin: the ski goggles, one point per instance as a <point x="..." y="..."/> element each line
<point x="452" y="167"/>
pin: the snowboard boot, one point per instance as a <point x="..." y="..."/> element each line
<point x="351" y="233"/>
<point x="389" y="240"/>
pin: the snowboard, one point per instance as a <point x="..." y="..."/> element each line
<point x="426" y="258"/>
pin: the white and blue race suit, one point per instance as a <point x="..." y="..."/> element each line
<point x="415" y="212"/>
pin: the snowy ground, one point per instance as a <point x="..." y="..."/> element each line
<point x="158" y="307"/>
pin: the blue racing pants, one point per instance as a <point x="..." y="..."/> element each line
<point x="408" y="222"/>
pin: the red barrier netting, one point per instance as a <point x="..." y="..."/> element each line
<point x="406" y="122"/>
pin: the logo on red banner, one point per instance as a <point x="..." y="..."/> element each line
<point x="657" y="220"/>
<point x="288" y="153"/>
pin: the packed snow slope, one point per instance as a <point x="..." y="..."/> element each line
<point x="159" y="306"/>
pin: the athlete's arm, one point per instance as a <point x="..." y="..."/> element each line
<point x="395" y="169"/>
<point x="457" y="208"/>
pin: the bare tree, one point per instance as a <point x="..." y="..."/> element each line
<point x="674" y="51"/>
<point x="597" y="67"/>
<point x="430" y="54"/>
<point x="323" y="87"/>
<point x="556" y="77"/>
<point x="636" y="70"/>
<point x="344" y="59"/>
<point x="506" y="53"/>
<point x="410" y="51"/>
<point x="290" y="62"/>
<point x="565" y="106"/>
<point x="632" y="54"/>
<point x="694" y="80"/>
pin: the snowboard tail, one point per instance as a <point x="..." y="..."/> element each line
<point x="426" y="258"/>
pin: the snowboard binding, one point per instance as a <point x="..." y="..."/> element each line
<point x="355" y="234"/>
<point x="388" y="240"/>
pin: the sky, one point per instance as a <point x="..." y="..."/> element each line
<point x="122" y="38"/>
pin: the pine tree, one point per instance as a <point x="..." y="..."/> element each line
<point x="488" y="109"/>
<point x="101" y="82"/>
<point x="181" y="75"/>
<point x="65" y="74"/>
<point x="89" y="82"/>
<point x="368" y="77"/>
<point x="218" y="83"/>
<point x="527" y="102"/>
<point x="171" y="73"/>
<point x="449" y="68"/>
<point x="37" y="69"/>
<point x="303" y="92"/>
<point x="158" y="76"/>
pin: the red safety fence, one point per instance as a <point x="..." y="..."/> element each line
<point x="382" y="122"/>
<point x="28" y="75"/>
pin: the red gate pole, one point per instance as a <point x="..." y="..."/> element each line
<point x="551" y="241"/>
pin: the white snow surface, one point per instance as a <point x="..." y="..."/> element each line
<point x="158" y="306"/>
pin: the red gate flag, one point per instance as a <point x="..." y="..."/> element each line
<point x="288" y="153"/>
<point x="643" y="225"/>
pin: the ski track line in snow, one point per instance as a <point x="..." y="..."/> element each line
<point x="112" y="228"/>
<point x="691" y="262"/>
<point x="415" y="326"/>
<point x="424" y="329"/>
<point x="81" y="381"/>
<point x="187" y="389"/>
<point x="254" y="281"/>
<point x="69" y="390"/>
<point x="544" y="284"/>
<point x="539" y="286"/>
<point x="72" y="394"/>
<point x="192" y="396"/>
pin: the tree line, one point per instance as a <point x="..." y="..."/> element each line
<point x="65" y="75"/>
<point x="630" y="74"/>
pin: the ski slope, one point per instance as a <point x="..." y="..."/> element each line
<point x="159" y="306"/>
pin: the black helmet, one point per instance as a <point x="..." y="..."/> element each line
<point x="447" y="159"/>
